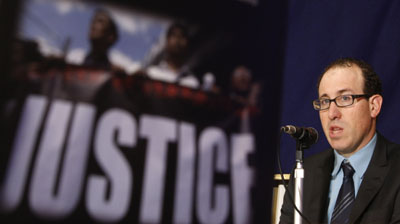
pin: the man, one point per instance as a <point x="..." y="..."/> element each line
<point x="172" y="67"/>
<point x="357" y="181"/>
<point x="102" y="35"/>
<point x="244" y="90"/>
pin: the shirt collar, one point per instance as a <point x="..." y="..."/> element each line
<point x="357" y="160"/>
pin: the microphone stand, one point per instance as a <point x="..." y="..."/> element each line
<point x="298" y="187"/>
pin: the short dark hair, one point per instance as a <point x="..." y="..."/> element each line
<point x="372" y="83"/>
<point x="179" y="26"/>
<point x="112" y="26"/>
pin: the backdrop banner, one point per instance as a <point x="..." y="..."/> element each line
<point x="117" y="112"/>
<point x="89" y="146"/>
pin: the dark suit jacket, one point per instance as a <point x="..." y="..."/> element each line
<point x="378" y="198"/>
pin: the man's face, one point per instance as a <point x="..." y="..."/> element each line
<point x="177" y="42"/>
<point x="241" y="79"/>
<point x="100" y="28"/>
<point x="350" y="128"/>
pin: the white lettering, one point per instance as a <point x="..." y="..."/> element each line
<point x="115" y="166"/>
<point x="185" y="174"/>
<point x="20" y="160"/>
<point x="212" y="211"/>
<point x="42" y="199"/>
<point x="59" y="167"/>
<point x="159" y="131"/>
<point x="242" y="176"/>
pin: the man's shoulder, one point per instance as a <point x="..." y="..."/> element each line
<point x="393" y="152"/>
<point x="323" y="154"/>
<point x="320" y="158"/>
<point x="393" y="149"/>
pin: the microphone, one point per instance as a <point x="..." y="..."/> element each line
<point x="307" y="136"/>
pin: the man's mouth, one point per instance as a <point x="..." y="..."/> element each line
<point x="335" y="131"/>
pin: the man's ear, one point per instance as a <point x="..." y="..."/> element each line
<point x="375" y="105"/>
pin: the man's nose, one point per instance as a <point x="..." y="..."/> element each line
<point x="334" y="111"/>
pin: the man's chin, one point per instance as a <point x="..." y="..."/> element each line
<point x="339" y="146"/>
<point x="344" y="151"/>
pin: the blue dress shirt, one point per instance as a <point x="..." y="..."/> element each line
<point x="359" y="161"/>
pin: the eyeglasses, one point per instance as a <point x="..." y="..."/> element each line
<point x="340" y="101"/>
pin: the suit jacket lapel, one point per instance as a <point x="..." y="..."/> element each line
<point x="325" y="173"/>
<point x="318" y="183"/>
<point x="373" y="179"/>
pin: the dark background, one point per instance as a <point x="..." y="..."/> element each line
<point x="319" y="32"/>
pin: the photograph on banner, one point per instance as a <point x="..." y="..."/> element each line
<point x="117" y="114"/>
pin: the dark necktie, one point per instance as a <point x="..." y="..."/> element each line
<point x="346" y="196"/>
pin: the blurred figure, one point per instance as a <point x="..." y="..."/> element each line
<point x="25" y="57"/>
<point x="244" y="91"/>
<point x="25" y="51"/>
<point x="103" y="34"/>
<point x="27" y="62"/>
<point x="242" y="88"/>
<point x="209" y="83"/>
<point x="171" y="67"/>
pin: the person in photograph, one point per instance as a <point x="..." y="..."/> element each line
<point x="244" y="91"/>
<point x="171" y="66"/>
<point x="103" y="34"/>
